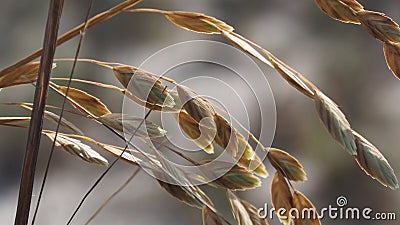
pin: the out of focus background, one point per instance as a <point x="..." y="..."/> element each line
<point x="342" y="59"/>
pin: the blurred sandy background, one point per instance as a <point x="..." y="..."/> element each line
<point x="343" y="60"/>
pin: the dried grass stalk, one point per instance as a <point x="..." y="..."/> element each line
<point x="101" y="17"/>
<point x="281" y="198"/>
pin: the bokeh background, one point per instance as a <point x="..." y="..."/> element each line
<point x="341" y="59"/>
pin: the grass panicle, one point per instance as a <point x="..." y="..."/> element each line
<point x="200" y="120"/>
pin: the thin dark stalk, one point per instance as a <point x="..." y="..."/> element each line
<point x="122" y="187"/>
<point x="39" y="104"/>
<point x="62" y="111"/>
<point x="108" y="169"/>
<point x="99" y="18"/>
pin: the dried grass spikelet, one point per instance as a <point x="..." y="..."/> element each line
<point x="244" y="46"/>
<point x="15" y="120"/>
<point x="392" y="55"/>
<point x="184" y="196"/>
<point x="239" y="211"/>
<point x="281" y="197"/>
<point x="143" y="86"/>
<point x="116" y="151"/>
<point x="293" y="77"/>
<point x="22" y="75"/>
<point x="286" y="164"/>
<point x="301" y="202"/>
<point x="254" y="165"/>
<point x="197" y="22"/>
<point x="371" y="160"/>
<point x="196" y="106"/>
<point x="54" y="118"/>
<point x="342" y="10"/>
<point x="226" y="135"/>
<point x="201" y="135"/>
<point x="241" y="151"/>
<point x="129" y="124"/>
<point x="237" y="178"/>
<point x="200" y="110"/>
<point x="12" y="120"/>
<point x="87" y="104"/>
<point x="335" y="121"/>
<point x="210" y="218"/>
<point x="178" y="103"/>
<point x="235" y="144"/>
<point x="132" y="156"/>
<point x="76" y="148"/>
<point x="247" y="157"/>
<point x="380" y="26"/>
<point x="253" y="213"/>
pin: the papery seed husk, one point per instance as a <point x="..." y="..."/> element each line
<point x="392" y="55"/>
<point x="281" y="197"/>
<point x="92" y="105"/>
<point x="197" y="22"/>
<point x="371" y="160"/>
<point x="342" y="10"/>
<point x="380" y="26"/>
<point x="335" y="121"/>
<point x="301" y="202"/>
<point x="286" y="164"/>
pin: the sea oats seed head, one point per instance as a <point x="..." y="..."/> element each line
<point x="342" y="10"/>
<point x="286" y="164"/>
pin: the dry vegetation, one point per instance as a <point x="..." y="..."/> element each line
<point x="202" y="121"/>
